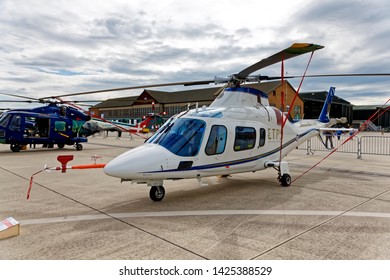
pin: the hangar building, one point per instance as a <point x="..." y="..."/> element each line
<point x="363" y="113"/>
<point x="314" y="100"/>
<point x="170" y="103"/>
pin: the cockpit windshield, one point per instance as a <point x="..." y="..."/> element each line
<point x="4" y="119"/>
<point x="182" y="137"/>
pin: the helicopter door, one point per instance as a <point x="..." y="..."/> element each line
<point x="36" y="127"/>
<point x="43" y="126"/>
<point x="244" y="148"/>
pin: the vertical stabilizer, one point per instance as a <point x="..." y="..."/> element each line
<point x="324" y="116"/>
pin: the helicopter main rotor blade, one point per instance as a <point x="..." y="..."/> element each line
<point x="341" y="75"/>
<point x="19" y="96"/>
<point x="258" y="78"/>
<point x="136" y="87"/>
<point x="19" y="101"/>
<point x="290" y="52"/>
<point x="294" y="50"/>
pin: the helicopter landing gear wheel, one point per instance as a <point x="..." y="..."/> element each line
<point x="79" y="147"/>
<point x="157" y="193"/>
<point x="285" y="180"/>
<point x="60" y="146"/>
<point x="15" y="148"/>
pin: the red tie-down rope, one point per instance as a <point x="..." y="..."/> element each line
<point x="349" y="138"/>
<point x="285" y="118"/>
<point x="64" y="160"/>
<point x="282" y="102"/>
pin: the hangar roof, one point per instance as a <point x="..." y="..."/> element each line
<point x="368" y="107"/>
<point x="205" y="94"/>
<point x="321" y="96"/>
<point x="116" y="102"/>
<point x="195" y="95"/>
<point x="265" y="87"/>
<point x="164" y="97"/>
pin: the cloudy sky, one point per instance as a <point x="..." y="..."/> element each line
<point x="64" y="46"/>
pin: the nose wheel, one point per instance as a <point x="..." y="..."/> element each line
<point x="157" y="193"/>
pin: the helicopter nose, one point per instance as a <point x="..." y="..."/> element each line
<point x="134" y="163"/>
<point x="89" y="125"/>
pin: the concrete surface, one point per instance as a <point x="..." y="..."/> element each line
<point x="339" y="210"/>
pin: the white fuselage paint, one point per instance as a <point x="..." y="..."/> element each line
<point x="151" y="162"/>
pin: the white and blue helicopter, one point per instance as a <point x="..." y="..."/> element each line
<point x="239" y="132"/>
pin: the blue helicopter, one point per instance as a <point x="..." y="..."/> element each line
<point x="49" y="125"/>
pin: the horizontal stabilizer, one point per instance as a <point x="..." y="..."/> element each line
<point x="342" y="129"/>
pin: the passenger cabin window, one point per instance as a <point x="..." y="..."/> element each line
<point x="60" y="126"/>
<point x="217" y="140"/>
<point x="245" y="138"/>
<point x="262" y="137"/>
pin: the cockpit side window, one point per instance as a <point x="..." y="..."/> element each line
<point x="182" y="137"/>
<point x="217" y="140"/>
<point x="15" y="123"/>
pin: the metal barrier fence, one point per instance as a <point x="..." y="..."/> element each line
<point x="373" y="145"/>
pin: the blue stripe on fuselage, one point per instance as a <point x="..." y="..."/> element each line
<point x="239" y="161"/>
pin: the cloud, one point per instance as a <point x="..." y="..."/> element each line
<point x="71" y="46"/>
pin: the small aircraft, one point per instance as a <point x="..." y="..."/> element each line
<point x="149" y="123"/>
<point x="239" y="132"/>
<point x="49" y="125"/>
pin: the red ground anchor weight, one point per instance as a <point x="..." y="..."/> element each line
<point x="64" y="160"/>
